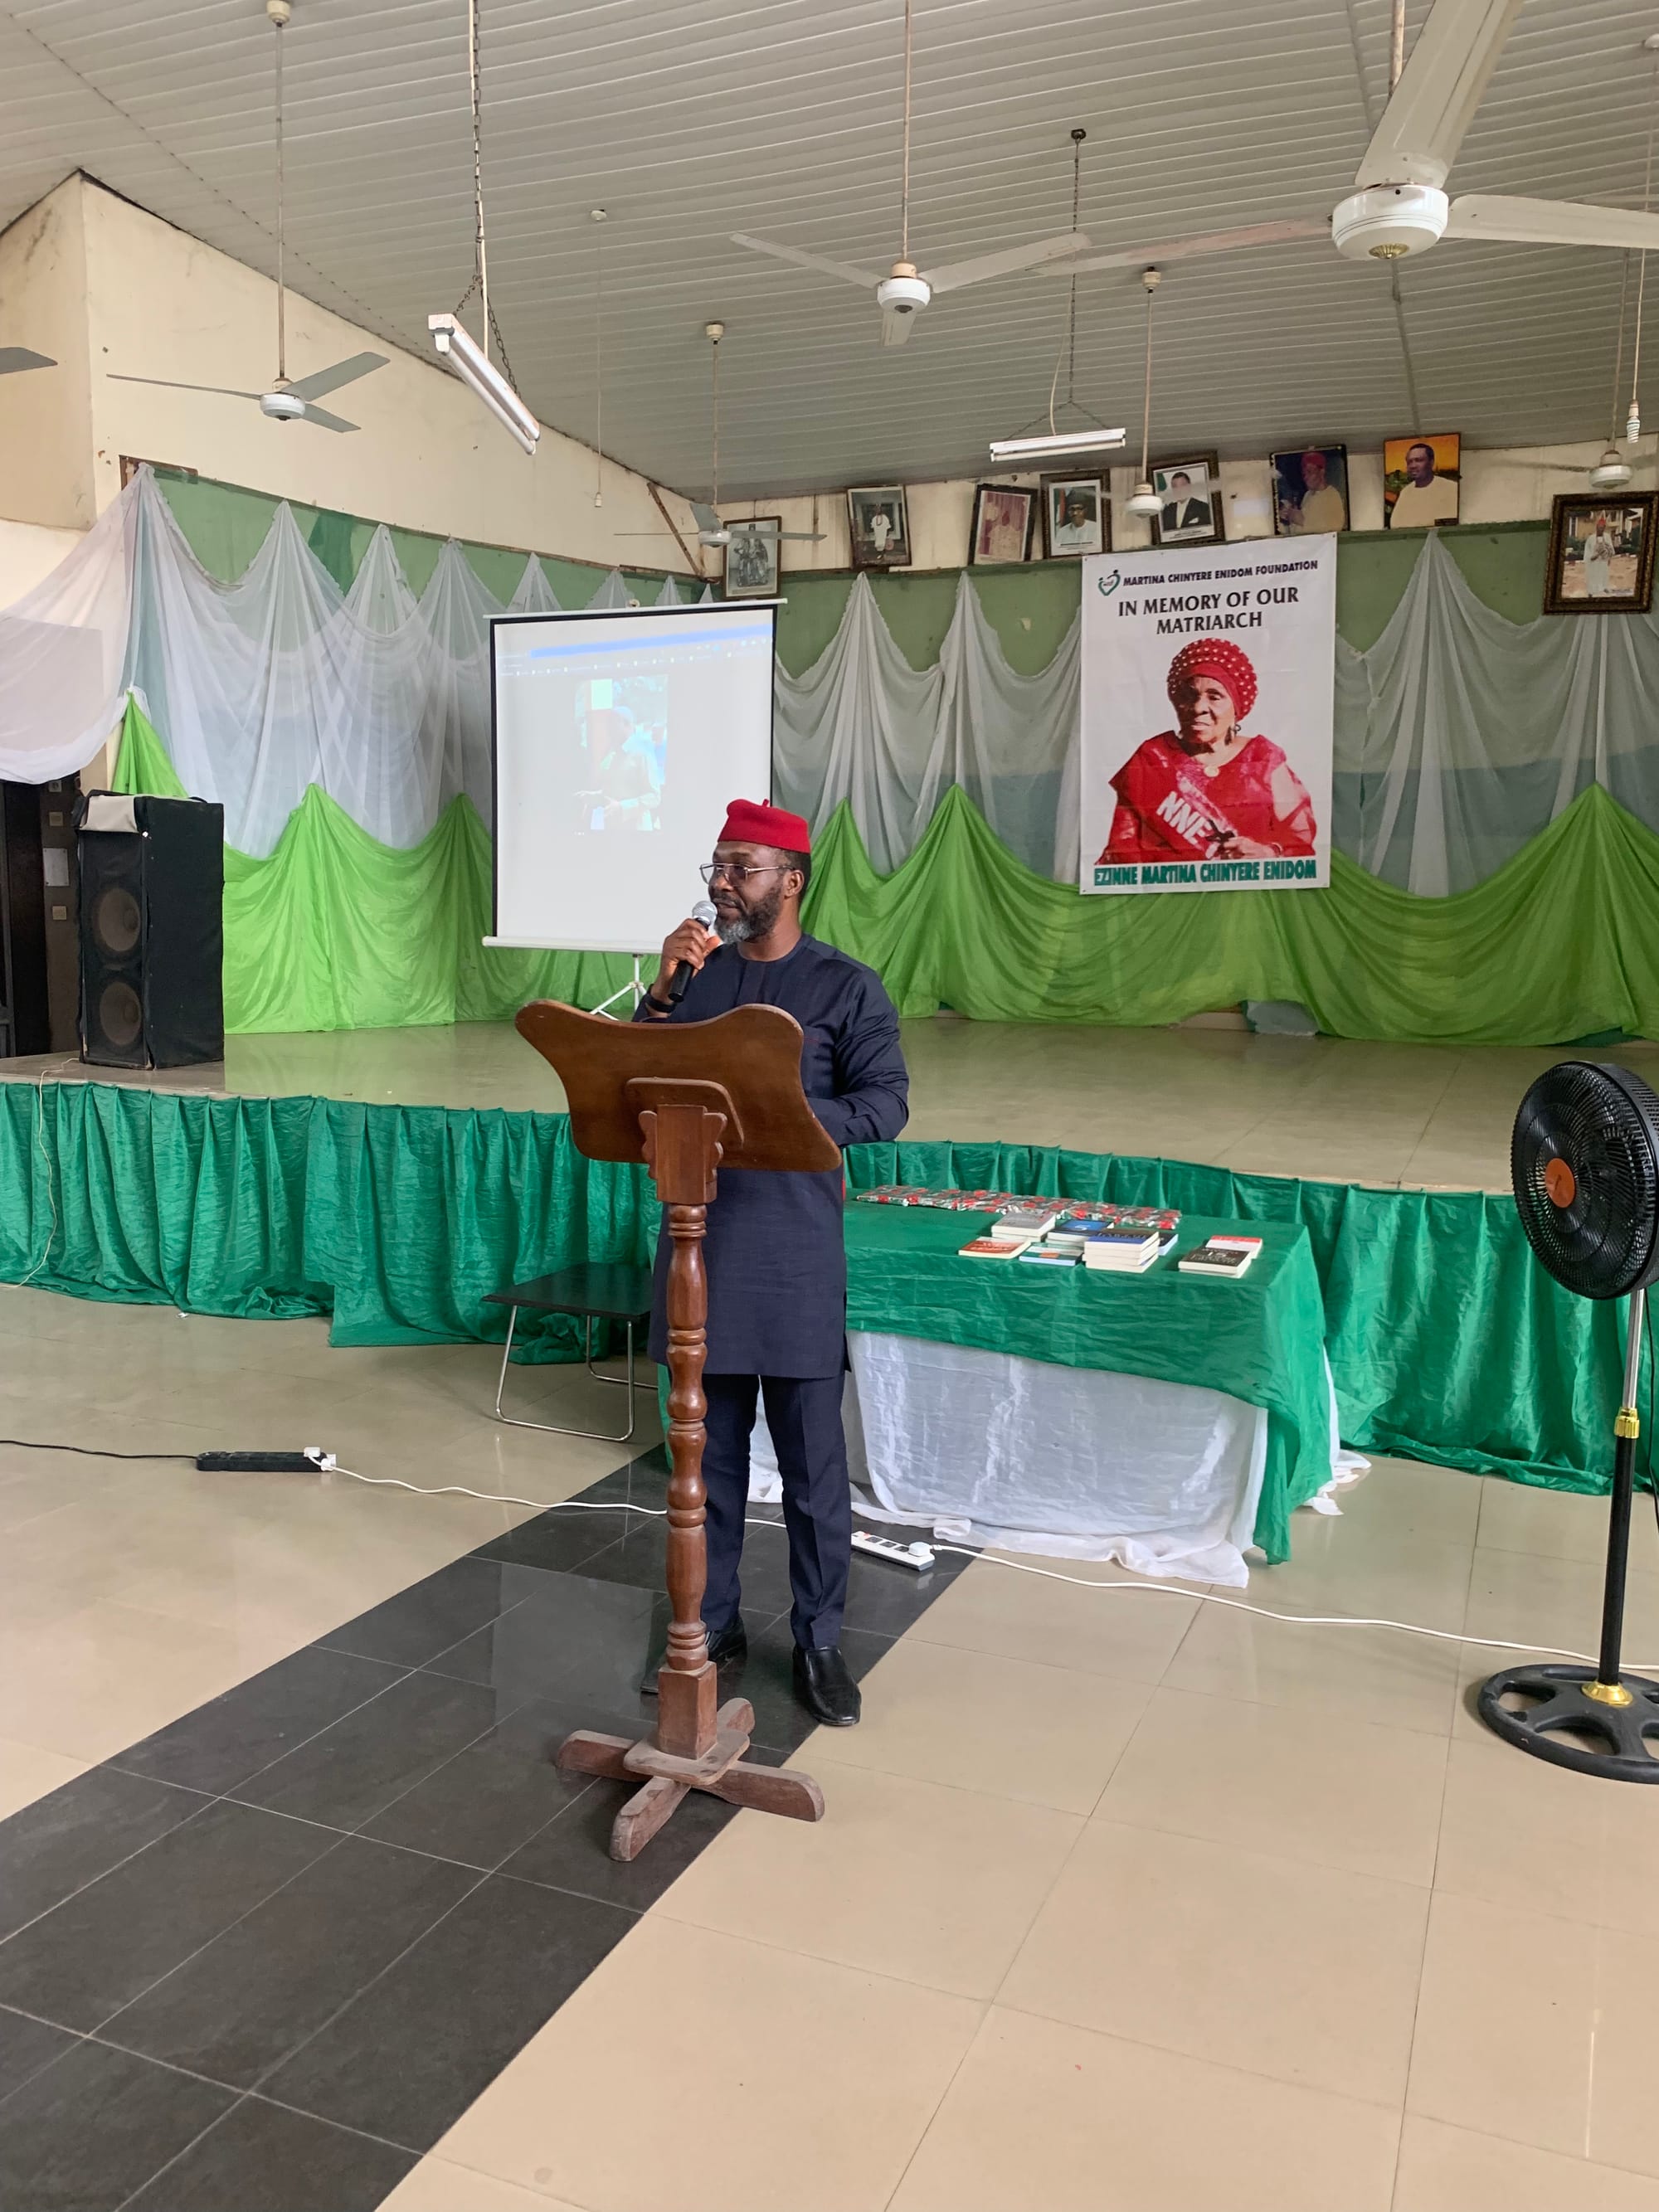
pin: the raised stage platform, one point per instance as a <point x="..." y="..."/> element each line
<point x="1432" y="1117"/>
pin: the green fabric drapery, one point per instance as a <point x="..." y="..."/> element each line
<point x="1561" y="943"/>
<point x="1447" y="1341"/>
<point x="337" y="932"/>
<point x="334" y="931"/>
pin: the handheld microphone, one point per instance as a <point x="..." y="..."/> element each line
<point x="704" y="913"/>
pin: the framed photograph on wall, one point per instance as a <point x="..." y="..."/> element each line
<point x="1003" y="518"/>
<point x="879" y="522"/>
<point x="1601" y="558"/>
<point x="1310" y="491"/>
<point x="1191" y="492"/>
<point x="1076" y="517"/>
<point x="1420" y="480"/>
<point x="751" y="558"/>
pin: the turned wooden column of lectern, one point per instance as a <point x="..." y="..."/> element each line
<point x="685" y="1099"/>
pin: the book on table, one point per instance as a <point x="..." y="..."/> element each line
<point x="993" y="1247"/>
<point x="1220" y="1255"/>
<point x="1120" y="1251"/>
<point x="1026" y="1221"/>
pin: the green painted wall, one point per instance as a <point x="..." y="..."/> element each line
<point x="225" y="525"/>
<point x="1031" y="607"/>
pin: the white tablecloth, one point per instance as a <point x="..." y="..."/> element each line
<point x="1072" y="1462"/>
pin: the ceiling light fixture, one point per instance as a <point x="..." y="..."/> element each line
<point x="474" y="366"/>
<point x="1063" y="442"/>
<point x="1144" y="500"/>
<point x="454" y="342"/>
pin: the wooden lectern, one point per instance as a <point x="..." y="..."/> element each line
<point x="685" y="1097"/>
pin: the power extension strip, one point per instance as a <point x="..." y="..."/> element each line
<point x="919" y="1556"/>
<point x="313" y="1460"/>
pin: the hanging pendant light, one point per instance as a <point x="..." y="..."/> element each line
<point x="1613" y="471"/>
<point x="1144" y="500"/>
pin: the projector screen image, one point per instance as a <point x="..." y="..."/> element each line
<point x="619" y="740"/>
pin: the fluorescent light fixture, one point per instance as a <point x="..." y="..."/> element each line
<point x="470" y="363"/>
<point x="1063" y="442"/>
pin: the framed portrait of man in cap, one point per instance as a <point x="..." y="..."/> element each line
<point x="1076" y="517"/>
<point x="1310" y="491"/>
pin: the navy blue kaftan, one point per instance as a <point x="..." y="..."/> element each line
<point x="776" y="1261"/>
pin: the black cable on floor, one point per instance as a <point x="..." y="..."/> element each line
<point x="90" y="1451"/>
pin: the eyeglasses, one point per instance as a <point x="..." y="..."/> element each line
<point x="733" y="874"/>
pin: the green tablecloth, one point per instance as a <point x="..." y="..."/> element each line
<point x="1259" y="1337"/>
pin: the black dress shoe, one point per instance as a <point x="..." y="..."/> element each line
<point x="823" y="1685"/>
<point x="730" y="1648"/>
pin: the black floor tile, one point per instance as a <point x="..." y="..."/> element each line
<point x="637" y="1557"/>
<point x="429" y="1616"/>
<point x="643" y="1481"/>
<point x="83" y="2136"/>
<point x="572" y="1639"/>
<point x="61" y="1842"/>
<point x="497" y="1793"/>
<point x="98" y="1950"/>
<point x="755" y="1625"/>
<point x="574" y="1852"/>
<point x="222" y="1743"/>
<point x="251" y="1996"/>
<point x="887" y="1600"/>
<point x="557" y="1540"/>
<point x="26" y="2045"/>
<point x="260" y="2157"/>
<point x="352" y="1770"/>
<point x="411" y="2055"/>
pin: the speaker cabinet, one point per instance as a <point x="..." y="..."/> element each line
<point x="152" y="931"/>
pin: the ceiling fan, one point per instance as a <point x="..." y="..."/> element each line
<point x="13" y="358"/>
<point x="711" y="531"/>
<point x="905" y="290"/>
<point x="288" y="400"/>
<point x="1399" y="205"/>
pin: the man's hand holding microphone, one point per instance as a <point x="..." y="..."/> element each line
<point x="684" y="951"/>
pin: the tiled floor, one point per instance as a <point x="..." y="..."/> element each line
<point x="1122" y="1900"/>
<point x="1315" y="1106"/>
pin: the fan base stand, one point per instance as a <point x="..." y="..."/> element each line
<point x="1572" y="1697"/>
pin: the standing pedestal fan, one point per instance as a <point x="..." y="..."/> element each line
<point x="1584" y="1159"/>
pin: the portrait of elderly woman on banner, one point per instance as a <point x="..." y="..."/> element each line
<point x="1209" y="788"/>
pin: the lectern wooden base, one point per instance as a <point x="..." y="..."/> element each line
<point x="665" y="1094"/>
<point x="720" y="1771"/>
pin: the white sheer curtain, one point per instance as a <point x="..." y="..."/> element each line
<point x="265" y="685"/>
<point x="1459" y="734"/>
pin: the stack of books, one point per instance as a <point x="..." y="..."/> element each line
<point x="1026" y="1219"/>
<point x="1126" y="1251"/>
<point x="1220" y="1255"/>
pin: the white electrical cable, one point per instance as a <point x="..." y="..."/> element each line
<point x="1048" y="1573"/>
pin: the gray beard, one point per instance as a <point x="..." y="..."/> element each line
<point x="742" y="929"/>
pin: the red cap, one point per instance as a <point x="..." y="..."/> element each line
<point x="748" y="822"/>
<point x="1220" y="658"/>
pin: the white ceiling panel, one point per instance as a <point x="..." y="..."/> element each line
<point x="688" y="119"/>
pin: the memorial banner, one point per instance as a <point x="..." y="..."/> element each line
<point x="1206" y="718"/>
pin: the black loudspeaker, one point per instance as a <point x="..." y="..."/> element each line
<point x="152" y="931"/>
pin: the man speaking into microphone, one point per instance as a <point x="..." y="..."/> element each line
<point x="777" y="1264"/>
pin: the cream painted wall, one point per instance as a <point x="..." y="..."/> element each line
<point x="46" y="426"/>
<point x="28" y="554"/>
<point x="1516" y="484"/>
<point x="106" y="287"/>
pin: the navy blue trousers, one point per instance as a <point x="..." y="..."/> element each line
<point x="804" y="1415"/>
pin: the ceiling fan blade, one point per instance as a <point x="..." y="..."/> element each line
<point x="1212" y="241"/>
<point x="704" y="515"/>
<point x="844" y="270"/>
<point x="799" y="536"/>
<point x="167" y="384"/>
<point x="955" y="274"/>
<point x="330" y="379"/>
<point x="13" y="358"/>
<point x="323" y="419"/>
<point x="894" y="329"/>
<point x="1552" y="222"/>
<point x="1434" y="102"/>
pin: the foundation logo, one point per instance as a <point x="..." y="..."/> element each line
<point x="1107" y="585"/>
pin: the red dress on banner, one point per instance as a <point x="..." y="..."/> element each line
<point x="1168" y="809"/>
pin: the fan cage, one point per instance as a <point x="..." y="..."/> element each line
<point x="1584" y="1164"/>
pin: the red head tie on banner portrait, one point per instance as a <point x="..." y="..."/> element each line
<point x="1220" y="658"/>
<point x="750" y="821"/>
